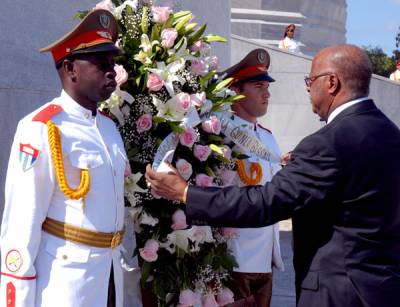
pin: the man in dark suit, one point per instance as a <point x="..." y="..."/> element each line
<point x="342" y="188"/>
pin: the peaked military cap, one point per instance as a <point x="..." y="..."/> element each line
<point x="97" y="32"/>
<point x="253" y="67"/>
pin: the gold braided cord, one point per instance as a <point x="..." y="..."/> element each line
<point x="256" y="173"/>
<point x="54" y="137"/>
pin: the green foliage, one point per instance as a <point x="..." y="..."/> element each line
<point x="382" y="64"/>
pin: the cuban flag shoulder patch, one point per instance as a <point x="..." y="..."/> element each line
<point x="28" y="155"/>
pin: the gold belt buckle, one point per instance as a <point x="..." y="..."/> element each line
<point x="117" y="239"/>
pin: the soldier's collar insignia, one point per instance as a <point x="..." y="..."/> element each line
<point x="28" y="155"/>
<point x="104" y="21"/>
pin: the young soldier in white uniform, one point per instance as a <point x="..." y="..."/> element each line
<point x="64" y="211"/>
<point x="256" y="250"/>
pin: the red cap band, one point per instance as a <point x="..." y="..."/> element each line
<point x="249" y="70"/>
<point x="84" y="40"/>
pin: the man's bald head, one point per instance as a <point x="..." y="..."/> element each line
<point x="352" y="66"/>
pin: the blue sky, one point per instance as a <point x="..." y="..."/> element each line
<point x="373" y="22"/>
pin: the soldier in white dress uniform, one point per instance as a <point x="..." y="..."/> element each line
<point x="395" y="76"/>
<point x="64" y="211"/>
<point x="256" y="250"/>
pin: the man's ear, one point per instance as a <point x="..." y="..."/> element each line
<point x="69" y="69"/>
<point x="334" y="84"/>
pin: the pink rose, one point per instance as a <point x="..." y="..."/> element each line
<point x="225" y="297"/>
<point x="179" y="104"/>
<point x="198" y="99"/>
<point x="198" y="67"/>
<point x="187" y="298"/>
<point x="105" y="5"/>
<point x="213" y="62"/>
<point x="122" y="75"/>
<point x="144" y="123"/>
<point x="227" y="176"/>
<point x="179" y="220"/>
<point x="188" y="137"/>
<point x="197" y="46"/>
<point x="212" y="125"/>
<point x="201" y="152"/>
<point x="149" y="251"/>
<point x="160" y="13"/>
<point x="229" y="233"/>
<point x="154" y="82"/>
<point x="202" y="180"/>
<point x="208" y="300"/>
<point x="184" y="168"/>
<point x="168" y="37"/>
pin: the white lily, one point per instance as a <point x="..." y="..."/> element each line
<point x="180" y="238"/>
<point x="160" y="106"/>
<point x="143" y="57"/>
<point x="146" y="45"/>
<point x="182" y="52"/>
<point x="118" y="10"/>
<point x="168" y="74"/>
<point x="147" y="219"/>
<point x="115" y="102"/>
<point x="131" y="185"/>
<point x="177" y="238"/>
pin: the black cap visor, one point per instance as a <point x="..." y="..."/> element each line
<point x="99" y="48"/>
<point x="262" y="77"/>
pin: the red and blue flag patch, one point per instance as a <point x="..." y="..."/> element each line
<point x="27" y="156"/>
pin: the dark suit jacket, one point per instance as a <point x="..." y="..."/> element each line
<point x="342" y="189"/>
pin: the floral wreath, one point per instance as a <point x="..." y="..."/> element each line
<point x="168" y="106"/>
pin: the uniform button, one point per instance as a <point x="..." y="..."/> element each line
<point x="9" y="302"/>
<point x="115" y="173"/>
<point x="64" y="257"/>
<point x="86" y="115"/>
<point x="9" y="291"/>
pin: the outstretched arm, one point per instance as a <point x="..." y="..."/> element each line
<point x="310" y="178"/>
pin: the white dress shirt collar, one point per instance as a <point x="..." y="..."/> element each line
<point x="244" y="123"/>
<point x="74" y="108"/>
<point x="344" y="107"/>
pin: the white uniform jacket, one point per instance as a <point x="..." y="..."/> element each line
<point x="395" y="76"/>
<point x="290" y="45"/>
<point x="257" y="249"/>
<point x="39" y="269"/>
